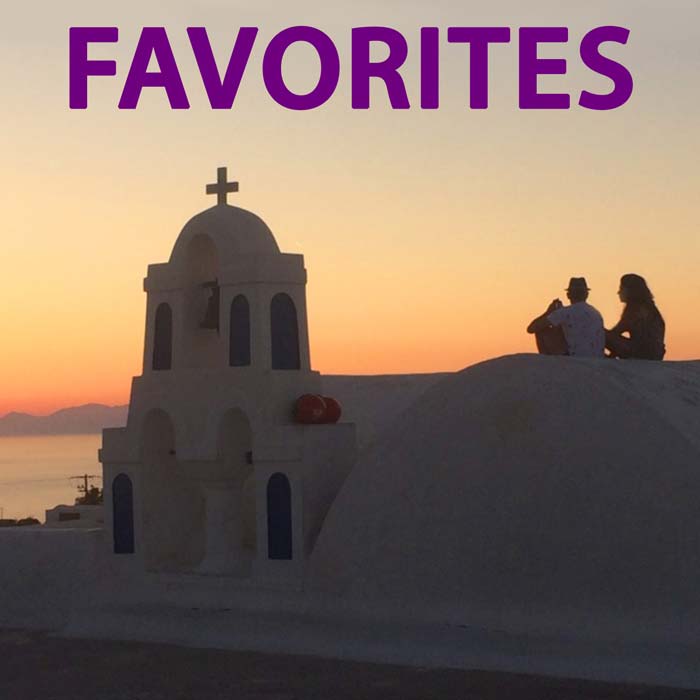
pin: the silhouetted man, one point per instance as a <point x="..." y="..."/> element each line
<point x="575" y="330"/>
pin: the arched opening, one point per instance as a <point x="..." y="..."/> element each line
<point x="158" y="438"/>
<point x="202" y="259"/>
<point x="171" y="509"/>
<point x="234" y="444"/>
<point x="163" y="338"/>
<point x="239" y="333"/>
<point x="123" y="515"/>
<point x="285" y="333"/>
<point x="230" y="503"/>
<point x="201" y="316"/>
<point x="279" y="517"/>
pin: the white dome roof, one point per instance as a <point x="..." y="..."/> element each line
<point x="524" y="484"/>
<point x="234" y="231"/>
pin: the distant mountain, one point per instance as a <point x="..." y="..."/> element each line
<point x="90" y="418"/>
<point x="372" y="402"/>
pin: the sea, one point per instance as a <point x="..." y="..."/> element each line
<point x="36" y="471"/>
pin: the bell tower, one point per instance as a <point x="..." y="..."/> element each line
<point x="235" y="299"/>
<point x="224" y="482"/>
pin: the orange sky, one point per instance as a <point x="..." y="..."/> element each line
<point x="431" y="238"/>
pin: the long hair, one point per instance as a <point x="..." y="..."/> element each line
<point x="639" y="297"/>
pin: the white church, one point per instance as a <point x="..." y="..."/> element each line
<point x="527" y="513"/>
<point x="211" y="473"/>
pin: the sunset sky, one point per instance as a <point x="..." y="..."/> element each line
<point x="431" y="238"/>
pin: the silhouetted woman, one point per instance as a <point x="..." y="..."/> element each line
<point x="641" y="320"/>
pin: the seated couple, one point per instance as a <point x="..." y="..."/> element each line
<point x="578" y="329"/>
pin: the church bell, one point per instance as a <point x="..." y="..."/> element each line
<point x="211" y="315"/>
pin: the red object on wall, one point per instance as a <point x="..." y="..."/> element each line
<point x="310" y="409"/>
<point x="333" y="410"/>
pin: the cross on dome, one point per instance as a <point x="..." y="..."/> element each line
<point x="221" y="188"/>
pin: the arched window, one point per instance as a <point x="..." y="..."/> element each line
<point x="163" y="502"/>
<point x="279" y="517"/>
<point x="123" y="515"/>
<point x="285" y="333"/>
<point x="163" y="338"/>
<point x="239" y="333"/>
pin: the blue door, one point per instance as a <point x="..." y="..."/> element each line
<point x="284" y="332"/>
<point x="279" y="517"/>
<point x="163" y="338"/>
<point x="239" y="333"/>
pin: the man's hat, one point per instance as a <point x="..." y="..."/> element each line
<point x="577" y="284"/>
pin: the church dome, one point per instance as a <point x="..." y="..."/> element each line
<point x="232" y="230"/>
<point x="527" y="485"/>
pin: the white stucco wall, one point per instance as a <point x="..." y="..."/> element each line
<point x="44" y="573"/>
<point x="530" y="492"/>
